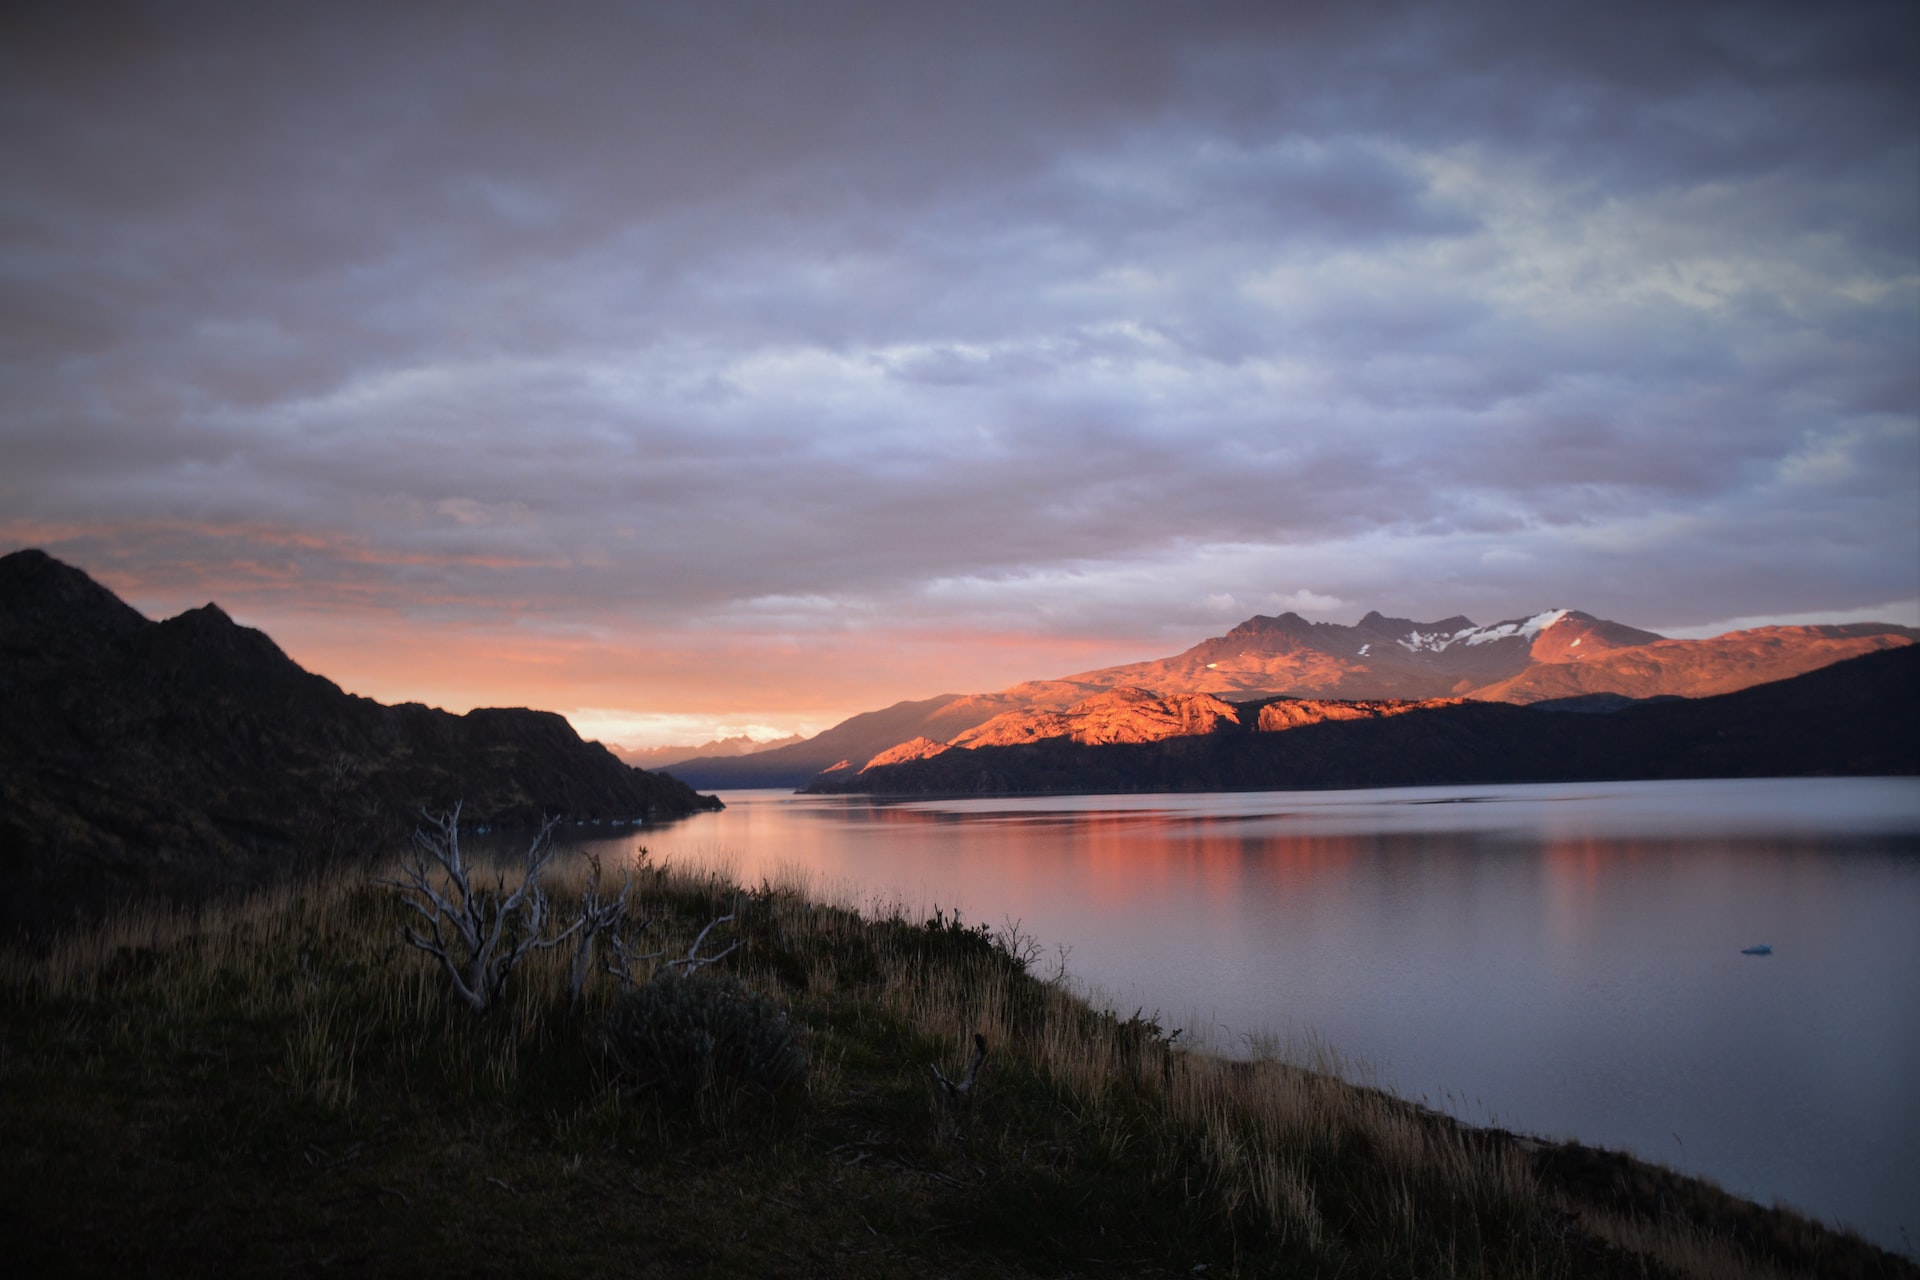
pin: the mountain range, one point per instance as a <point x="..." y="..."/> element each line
<point x="140" y="756"/>
<point x="663" y="757"/>
<point x="1857" y="716"/>
<point x="179" y="756"/>
<point x="1559" y="656"/>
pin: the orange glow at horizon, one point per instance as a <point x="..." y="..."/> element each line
<point x="689" y="684"/>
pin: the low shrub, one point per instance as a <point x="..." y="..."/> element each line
<point x="703" y="1044"/>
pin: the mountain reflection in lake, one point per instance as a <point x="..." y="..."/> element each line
<point x="1564" y="959"/>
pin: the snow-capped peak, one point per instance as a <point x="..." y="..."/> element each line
<point x="1525" y="628"/>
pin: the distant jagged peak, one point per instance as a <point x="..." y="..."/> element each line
<point x="207" y="615"/>
<point x="47" y="600"/>
<point x="1409" y="634"/>
<point x="1379" y="623"/>
<point x="1260" y="624"/>
<point x="211" y="633"/>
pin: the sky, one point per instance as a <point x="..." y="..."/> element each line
<point x="716" y="368"/>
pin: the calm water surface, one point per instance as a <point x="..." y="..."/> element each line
<point x="1560" y="959"/>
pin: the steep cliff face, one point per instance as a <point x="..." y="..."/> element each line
<point x="139" y="755"/>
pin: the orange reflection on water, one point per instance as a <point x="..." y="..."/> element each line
<point x="1127" y="857"/>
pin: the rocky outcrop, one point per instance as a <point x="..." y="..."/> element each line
<point x="1296" y="713"/>
<point x="1117" y="715"/>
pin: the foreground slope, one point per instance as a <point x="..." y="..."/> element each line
<point x="1857" y="717"/>
<point x="137" y="755"/>
<point x="283" y="1091"/>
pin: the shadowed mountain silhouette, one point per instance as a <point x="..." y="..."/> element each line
<point x="192" y="754"/>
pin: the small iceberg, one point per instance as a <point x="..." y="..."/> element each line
<point x="1762" y="950"/>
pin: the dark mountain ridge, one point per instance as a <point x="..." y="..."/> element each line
<point x="191" y="754"/>
<point x="1856" y="717"/>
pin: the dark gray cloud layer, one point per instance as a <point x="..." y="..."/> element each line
<point x="1134" y="316"/>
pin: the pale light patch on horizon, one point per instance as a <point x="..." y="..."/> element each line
<point x="1901" y="613"/>
<point x="639" y="730"/>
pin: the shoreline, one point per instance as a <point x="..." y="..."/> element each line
<point x="295" y="1018"/>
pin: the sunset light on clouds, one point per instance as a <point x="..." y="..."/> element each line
<point x="716" y="368"/>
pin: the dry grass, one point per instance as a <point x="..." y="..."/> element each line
<point x="1093" y="1144"/>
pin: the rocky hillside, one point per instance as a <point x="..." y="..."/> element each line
<point x="1860" y="716"/>
<point x="1559" y="653"/>
<point x="191" y="753"/>
<point x="1696" y="668"/>
<point x="1128" y="715"/>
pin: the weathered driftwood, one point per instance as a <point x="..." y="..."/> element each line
<point x="478" y="934"/>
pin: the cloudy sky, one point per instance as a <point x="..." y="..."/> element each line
<point x="716" y="367"/>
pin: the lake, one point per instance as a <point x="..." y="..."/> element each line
<point x="1560" y="959"/>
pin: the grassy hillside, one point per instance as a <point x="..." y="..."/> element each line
<point x="280" y="1085"/>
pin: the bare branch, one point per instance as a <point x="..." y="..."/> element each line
<point x="622" y="962"/>
<point x="959" y="1091"/>
<point x="597" y="916"/>
<point x="693" y="960"/>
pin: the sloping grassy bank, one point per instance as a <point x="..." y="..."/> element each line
<point x="281" y="1086"/>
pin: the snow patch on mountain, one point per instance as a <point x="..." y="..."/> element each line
<point x="1524" y="628"/>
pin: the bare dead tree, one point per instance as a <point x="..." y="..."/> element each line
<point x="959" y="1092"/>
<point x="478" y="934"/>
<point x="622" y="963"/>
<point x="598" y="915"/>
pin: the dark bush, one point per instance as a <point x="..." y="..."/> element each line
<point x="704" y="1044"/>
